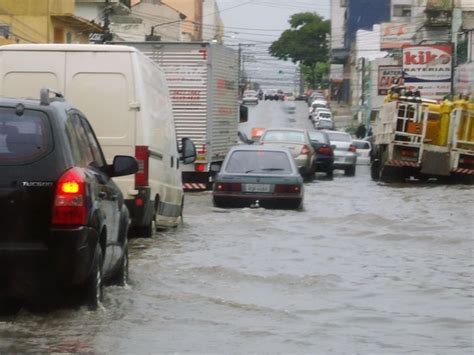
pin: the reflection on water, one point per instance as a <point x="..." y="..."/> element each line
<point x="365" y="268"/>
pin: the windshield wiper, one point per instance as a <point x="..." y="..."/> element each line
<point x="273" y="169"/>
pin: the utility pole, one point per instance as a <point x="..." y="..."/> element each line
<point x="107" y="11"/>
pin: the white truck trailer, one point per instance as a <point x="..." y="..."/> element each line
<point x="203" y="79"/>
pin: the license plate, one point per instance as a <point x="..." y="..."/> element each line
<point x="257" y="187"/>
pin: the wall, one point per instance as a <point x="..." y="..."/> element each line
<point x="337" y="24"/>
<point x="193" y="10"/>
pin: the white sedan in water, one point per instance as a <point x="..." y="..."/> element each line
<point x="363" y="151"/>
<point x="250" y="97"/>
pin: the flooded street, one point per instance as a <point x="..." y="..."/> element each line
<point x="364" y="268"/>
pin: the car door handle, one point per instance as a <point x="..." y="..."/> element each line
<point x="102" y="194"/>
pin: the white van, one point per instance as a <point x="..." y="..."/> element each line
<point x="126" y="99"/>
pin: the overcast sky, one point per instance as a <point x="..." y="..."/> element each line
<point x="255" y="24"/>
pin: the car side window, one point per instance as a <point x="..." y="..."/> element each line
<point x="83" y="140"/>
<point x="76" y="149"/>
<point x="99" y="160"/>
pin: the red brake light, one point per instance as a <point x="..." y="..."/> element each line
<point x="70" y="199"/>
<point x="222" y="186"/>
<point x="352" y="148"/>
<point x="142" y="154"/>
<point x="305" y="150"/>
<point x="325" y="150"/>
<point x="200" y="167"/>
<point x="292" y="189"/>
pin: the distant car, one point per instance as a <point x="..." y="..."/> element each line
<point x="316" y="96"/>
<point x="324" y="152"/>
<point x="363" y="151"/>
<point x="258" y="176"/>
<point x="250" y="97"/>
<point x="345" y="157"/>
<point x="301" y="97"/>
<point x="324" y="123"/>
<point x="315" y="105"/>
<point x="63" y="220"/>
<point x="321" y="112"/>
<point x="297" y="140"/>
<point x="271" y="95"/>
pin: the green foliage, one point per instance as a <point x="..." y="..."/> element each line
<point x="307" y="43"/>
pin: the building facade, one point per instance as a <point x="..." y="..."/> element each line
<point x="43" y="21"/>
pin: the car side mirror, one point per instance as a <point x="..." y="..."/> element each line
<point x="188" y="151"/>
<point x="123" y="165"/>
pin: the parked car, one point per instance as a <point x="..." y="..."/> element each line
<point x="324" y="123"/>
<point x="363" y="151"/>
<point x="64" y="220"/>
<point x="324" y="152"/>
<point x="315" y="105"/>
<point x="250" y="97"/>
<point x="258" y="176"/>
<point x="320" y="112"/>
<point x="316" y="96"/>
<point x="299" y="143"/>
<point x="125" y="96"/>
<point x="345" y="157"/>
<point x="301" y="97"/>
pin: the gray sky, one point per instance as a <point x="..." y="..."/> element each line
<point x="256" y="23"/>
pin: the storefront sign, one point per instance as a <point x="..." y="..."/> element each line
<point x="388" y="76"/>
<point x="428" y="68"/>
<point x="396" y="35"/>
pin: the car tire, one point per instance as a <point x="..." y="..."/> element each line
<point x="121" y="276"/>
<point x="94" y="286"/>
<point x="330" y="173"/>
<point x="375" y="169"/>
<point x="350" y="171"/>
<point x="145" y="231"/>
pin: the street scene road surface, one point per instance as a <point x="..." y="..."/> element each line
<point x="365" y="267"/>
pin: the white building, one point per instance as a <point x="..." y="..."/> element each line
<point x="212" y="25"/>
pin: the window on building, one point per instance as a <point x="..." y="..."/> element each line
<point x="401" y="10"/>
<point x="69" y="37"/>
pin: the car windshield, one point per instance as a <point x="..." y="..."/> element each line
<point x="262" y="162"/>
<point x="250" y="93"/>
<point x="341" y="137"/>
<point x="325" y="123"/>
<point x="325" y="114"/>
<point x="23" y="138"/>
<point x="284" y="136"/>
<point x="361" y="145"/>
<point x="317" y="137"/>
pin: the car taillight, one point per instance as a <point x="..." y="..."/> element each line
<point x="222" y="186"/>
<point x="305" y="150"/>
<point x="142" y="154"/>
<point x="70" y="199"/>
<point x="465" y="160"/>
<point x="352" y="148"/>
<point x="288" y="189"/>
<point x="325" y="150"/>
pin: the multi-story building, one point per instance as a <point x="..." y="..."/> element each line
<point x="212" y="25"/>
<point x="43" y="21"/>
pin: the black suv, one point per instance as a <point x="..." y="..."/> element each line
<point x="63" y="220"/>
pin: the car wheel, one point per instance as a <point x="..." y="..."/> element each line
<point x="350" y="171"/>
<point x="94" y="288"/>
<point x="145" y="231"/>
<point x="9" y="307"/>
<point x="330" y="173"/>
<point x="121" y="276"/>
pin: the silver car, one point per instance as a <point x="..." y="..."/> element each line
<point x="258" y="176"/>
<point x="345" y="156"/>
<point x="299" y="144"/>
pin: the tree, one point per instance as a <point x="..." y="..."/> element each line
<point x="306" y="42"/>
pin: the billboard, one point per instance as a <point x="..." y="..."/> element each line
<point x="429" y="69"/>
<point x="388" y="74"/>
<point x="394" y="35"/>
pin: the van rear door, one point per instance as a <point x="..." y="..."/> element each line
<point x="20" y="78"/>
<point x="26" y="177"/>
<point x="101" y="85"/>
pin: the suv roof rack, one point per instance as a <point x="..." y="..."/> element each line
<point x="46" y="100"/>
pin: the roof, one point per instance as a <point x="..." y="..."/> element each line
<point x="259" y="148"/>
<point x="67" y="47"/>
<point x="73" y="20"/>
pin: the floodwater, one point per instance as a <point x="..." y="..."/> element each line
<point x="364" y="268"/>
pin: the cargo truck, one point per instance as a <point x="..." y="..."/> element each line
<point x="423" y="139"/>
<point x="203" y="79"/>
